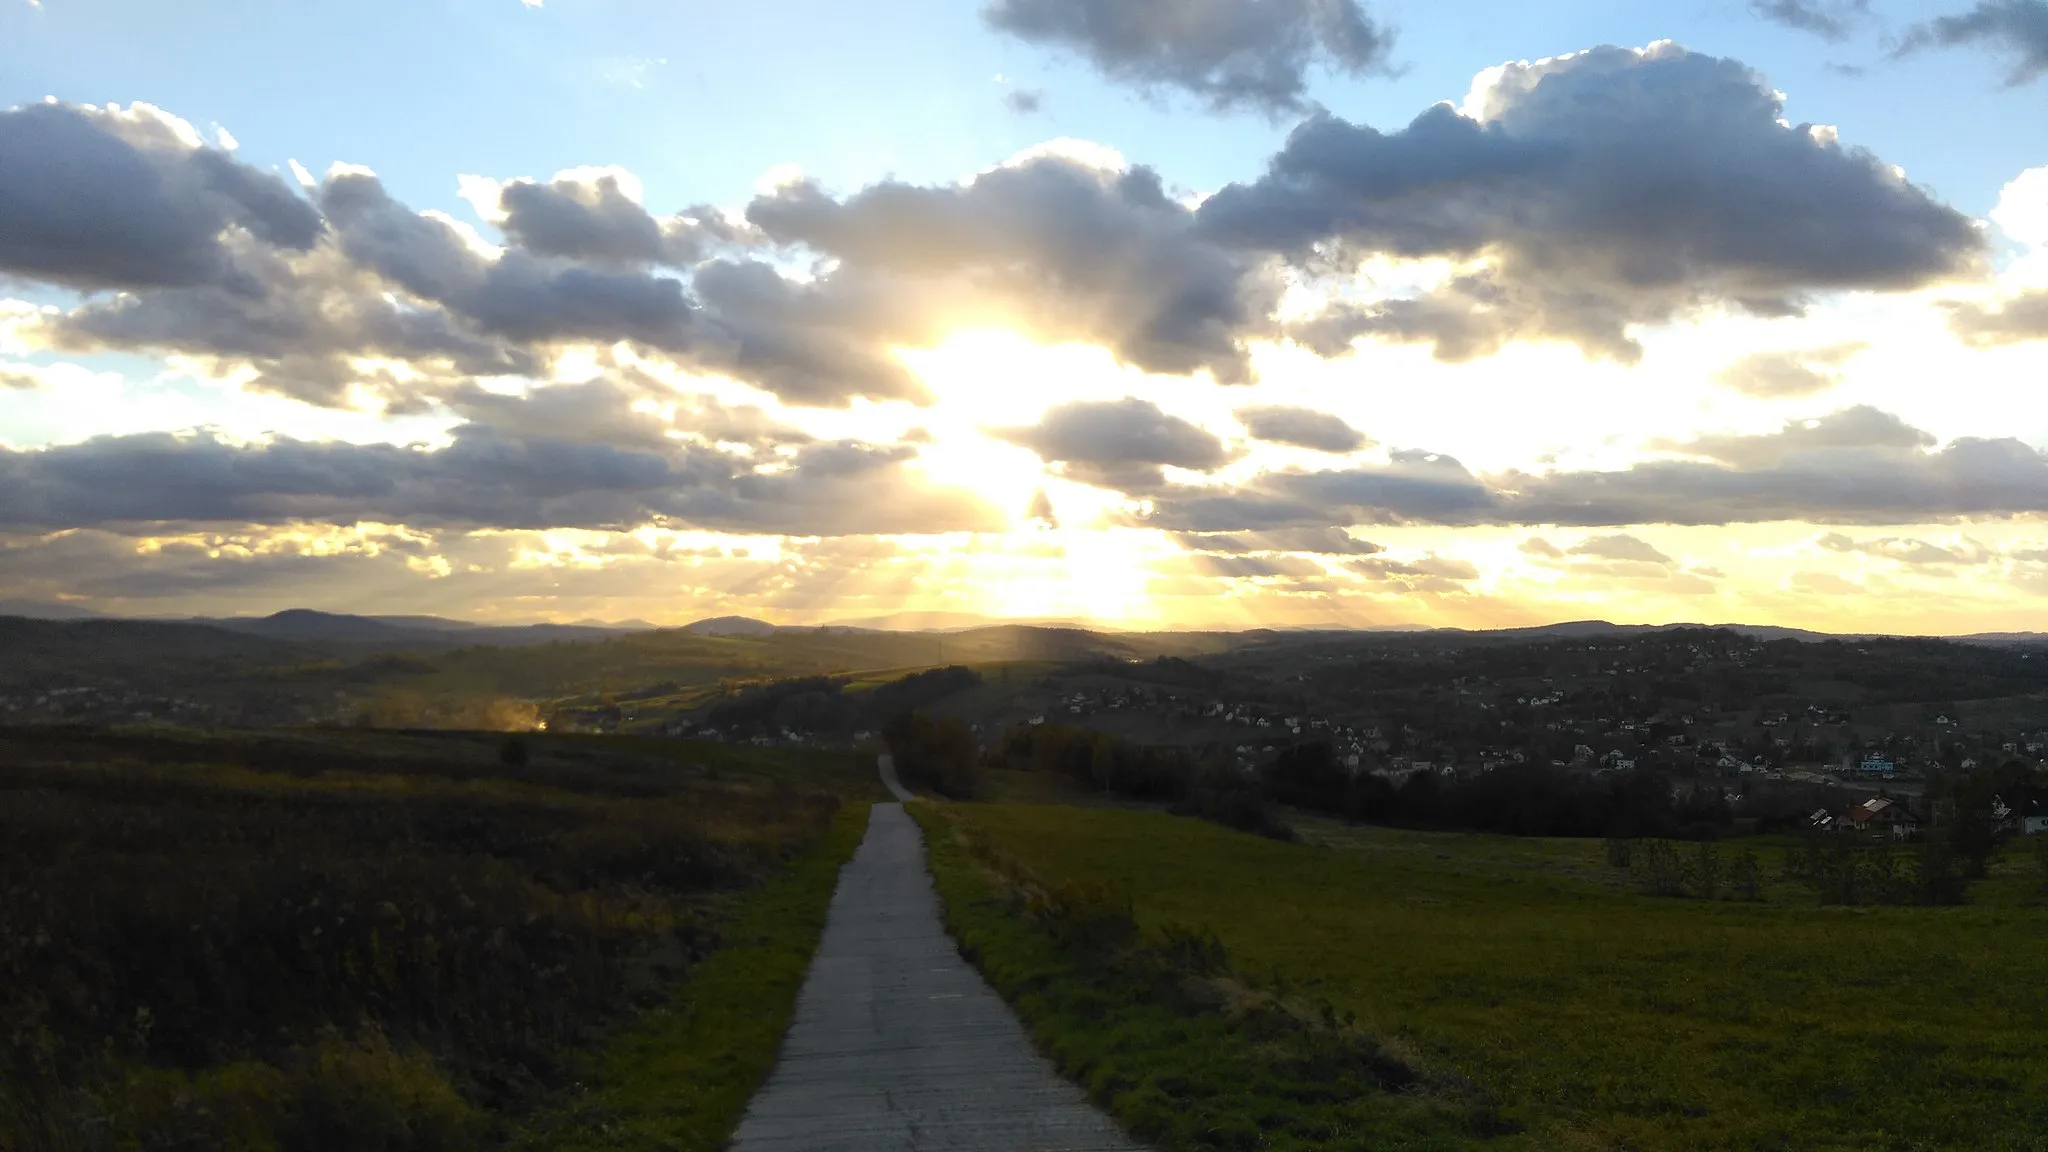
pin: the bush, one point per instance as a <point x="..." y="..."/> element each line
<point x="938" y="755"/>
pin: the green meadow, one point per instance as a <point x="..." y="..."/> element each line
<point x="1566" y="1009"/>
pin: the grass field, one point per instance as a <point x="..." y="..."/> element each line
<point x="1592" y="1016"/>
<point x="314" y="940"/>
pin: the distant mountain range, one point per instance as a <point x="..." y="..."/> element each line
<point x="305" y="625"/>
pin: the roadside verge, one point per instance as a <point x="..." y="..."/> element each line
<point x="679" y="1078"/>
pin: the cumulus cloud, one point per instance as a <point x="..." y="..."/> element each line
<point x="1582" y="195"/>
<point x="1230" y="54"/>
<point x="1303" y="427"/>
<point x="1065" y="249"/>
<point x="596" y="215"/>
<point x="1119" y="443"/>
<point x="516" y="295"/>
<point x="125" y="198"/>
<point x="1827" y="19"/>
<point x="2018" y="28"/>
<point x="1787" y="374"/>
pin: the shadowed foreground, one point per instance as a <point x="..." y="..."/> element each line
<point x="897" y="1043"/>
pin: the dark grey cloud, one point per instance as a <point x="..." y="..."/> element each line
<point x="1620" y="546"/>
<point x="1412" y="488"/>
<point x="1304" y="427"/>
<point x="110" y="199"/>
<point x="1857" y="427"/>
<point x="1231" y="54"/>
<point x="1024" y="101"/>
<point x="511" y="474"/>
<point x="1856" y="466"/>
<point x="301" y="332"/>
<point x="2018" y="28"/>
<point x="1827" y="19"/>
<point x="1066" y="250"/>
<point x="597" y="221"/>
<point x="1849" y="469"/>
<point x="1604" y="190"/>
<point x="518" y="295"/>
<point x="1782" y="375"/>
<point x="1119" y="443"/>
<point x="820" y="343"/>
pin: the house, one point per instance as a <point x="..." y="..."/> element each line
<point x="1884" y="812"/>
<point x="2034" y="825"/>
<point x="1878" y="766"/>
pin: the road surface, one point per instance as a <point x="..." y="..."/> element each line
<point x="897" y="1043"/>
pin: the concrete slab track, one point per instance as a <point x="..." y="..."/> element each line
<point x="897" y="1043"/>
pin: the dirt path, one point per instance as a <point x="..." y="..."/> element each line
<point x="897" y="1043"/>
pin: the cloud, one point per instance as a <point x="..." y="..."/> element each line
<point x="1233" y="55"/>
<point x="1024" y="101"/>
<point x="575" y="456"/>
<point x="1119" y="443"/>
<point x="1321" y="541"/>
<point x="1041" y="510"/>
<point x="1304" y="427"/>
<point x="1827" y="19"/>
<point x="1787" y="374"/>
<point x="1256" y="567"/>
<point x="1910" y="552"/>
<point x="2021" y="316"/>
<point x="2019" y="28"/>
<point x="1825" y="583"/>
<point x="1583" y="195"/>
<point x="22" y="376"/>
<point x="1064" y="249"/>
<point x="1621" y="546"/>
<point x="1855" y="466"/>
<point x="1538" y="546"/>
<point x="1432" y="565"/>
<point x="1413" y="487"/>
<point x="110" y="198"/>
<point x="303" y="334"/>
<point x="517" y="295"/>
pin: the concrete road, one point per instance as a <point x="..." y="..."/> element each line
<point x="887" y="764"/>
<point x="897" y="1043"/>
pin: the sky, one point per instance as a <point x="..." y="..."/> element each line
<point x="1139" y="313"/>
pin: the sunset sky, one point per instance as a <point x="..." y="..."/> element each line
<point x="1150" y="313"/>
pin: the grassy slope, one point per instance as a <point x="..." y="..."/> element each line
<point x="584" y="862"/>
<point x="1602" y="1018"/>
<point x="680" y="1077"/>
<point x="1193" y="1060"/>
